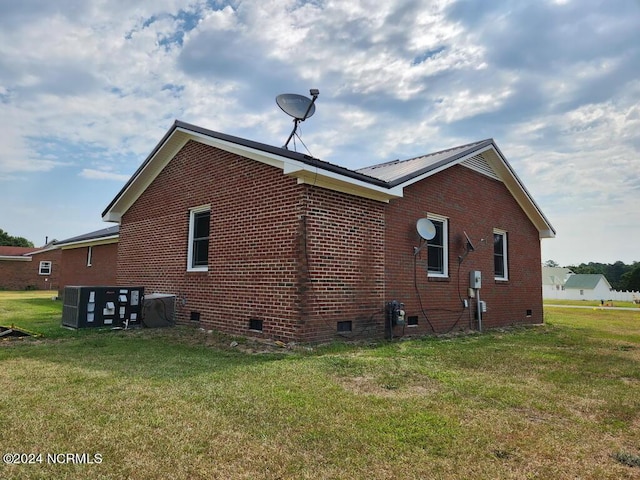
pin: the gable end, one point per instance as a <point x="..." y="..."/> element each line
<point x="479" y="164"/>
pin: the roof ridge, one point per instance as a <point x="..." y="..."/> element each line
<point x="431" y="154"/>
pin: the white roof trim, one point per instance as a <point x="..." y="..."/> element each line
<point x="305" y="173"/>
<point x="17" y="258"/>
<point x="317" y="175"/>
<point x="90" y="242"/>
<point x="506" y="175"/>
<point x="147" y="175"/>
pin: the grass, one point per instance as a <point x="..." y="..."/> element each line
<point x="33" y="311"/>
<point x="555" y="401"/>
<point x="590" y="303"/>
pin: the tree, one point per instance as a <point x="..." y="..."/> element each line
<point x="612" y="271"/>
<point x="551" y="263"/>
<point x="7" y="240"/>
<point x="631" y="279"/>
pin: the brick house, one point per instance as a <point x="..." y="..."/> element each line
<point x="259" y="240"/>
<point x="89" y="259"/>
<point x="23" y="268"/>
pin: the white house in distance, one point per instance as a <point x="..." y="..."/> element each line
<point x="553" y="280"/>
<point x="562" y="284"/>
<point x="587" y="287"/>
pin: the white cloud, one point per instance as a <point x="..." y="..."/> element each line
<point x="103" y="175"/>
<point x="94" y="86"/>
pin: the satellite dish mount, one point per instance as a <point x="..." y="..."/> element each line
<point x="299" y="107"/>
<point x="468" y="248"/>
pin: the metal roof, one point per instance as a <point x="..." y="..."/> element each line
<point x="585" y="281"/>
<point x="279" y="151"/>
<point x="399" y="171"/>
<point x="105" y="232"/>
<point x="382" y="182"/>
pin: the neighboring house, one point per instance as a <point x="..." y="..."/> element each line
<point x="587" y="287"/>
<point x="255" y="239"/>
<point x="89" y="259"/>
<point x="29" y="268"/>
<point x="553" y="280"/>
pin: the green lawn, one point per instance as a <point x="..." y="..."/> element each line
<point x="590" y="303"/>
<point x="550" y="402"/>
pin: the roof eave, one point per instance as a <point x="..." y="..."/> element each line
<point x="503" y="169"/>
<point x="43" y="250"/>
<point x="89" y="242"/>
<point x="292" y="163"/>
<point x="16" y="258"/>
<point x="499" y="163"/>
<point x="313" y="171"/>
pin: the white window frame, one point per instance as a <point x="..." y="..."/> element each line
<point x="89" y="255"/>
<point x="445" y="244"/>
<point x="505" y="257"/>
<point x="45" y="267"/>
<point x="192" y="213"/>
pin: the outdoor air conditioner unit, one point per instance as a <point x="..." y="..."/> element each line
<point x="159" y="310"/>
<point x="102" y="306"/>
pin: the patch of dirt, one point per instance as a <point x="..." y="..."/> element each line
<point x="367" y="385"/>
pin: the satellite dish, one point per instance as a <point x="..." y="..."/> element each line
<point x="426" y="228"/>
<point x="296" y="106"/>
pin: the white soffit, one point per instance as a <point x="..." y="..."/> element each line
<point x="90" y="242"/>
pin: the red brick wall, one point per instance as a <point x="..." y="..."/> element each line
<point x="344" y="265"/>
<point x="15" y="275"/>
<point x="476" y="204"/>
<point x="253" y="252"/>
<point x="300" y="273"/>
<point x="101" y="272"/>
<point x="302" y="258"/>
<point x="20" y="275"/>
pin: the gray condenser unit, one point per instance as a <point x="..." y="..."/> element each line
<point x="102" y="306"/>
<point x="159" y="310"/>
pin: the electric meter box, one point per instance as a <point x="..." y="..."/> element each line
<point x="475" y="279"/>
<point x="102" y="306"/>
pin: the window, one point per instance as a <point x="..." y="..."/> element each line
<point x="501" y="271"/>
<point x="198" y="254"/>
<point x="45" y="268"/>
<point x="438" y="248"/>
<point x="89" y="255"/>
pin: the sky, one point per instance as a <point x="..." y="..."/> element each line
<point x="88" y="88"/>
